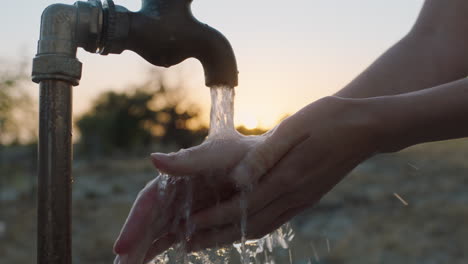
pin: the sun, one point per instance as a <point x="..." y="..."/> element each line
<point x="247" y="120"/>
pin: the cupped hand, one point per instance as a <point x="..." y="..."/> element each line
<point x="281" y="173"/>
<point x="324" y="142"/>
<point x="197" y="180"/>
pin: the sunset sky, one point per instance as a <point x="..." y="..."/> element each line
<point x="289" y="53"/>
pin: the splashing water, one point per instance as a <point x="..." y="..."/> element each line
<point x="250" y="251"/>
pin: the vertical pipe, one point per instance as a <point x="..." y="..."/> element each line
<point x="55" y="179"/>
<point x="56" y="69"/>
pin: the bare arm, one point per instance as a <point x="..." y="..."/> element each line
<point x="326" y="139"/>
<point x="434" y="114"/>
<point x="434" y="52"/>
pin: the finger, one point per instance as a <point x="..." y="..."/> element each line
<point x="281" y="179"/>
<point x="257" y="226"/>
<point x="230" y="211"/>
<point x="149" y="204"/>
<point x="190" y="161"/>
<point x="159" y="246"/>
<point x="176" y="164"/>
<point x="122" y="259"/>
<point x="267" y="153"/>
<point x="274" y="215"/>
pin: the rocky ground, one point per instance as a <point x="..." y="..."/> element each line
<point x="361" y="221"/>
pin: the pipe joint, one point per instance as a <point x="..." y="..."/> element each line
<point x="56" y="67"/>
<point x="58" y="24"/>
<point x="64" y="28"/>
<point x="89" y="27"/>
<point x="116" y="28"/>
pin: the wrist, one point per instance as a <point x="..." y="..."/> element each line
<point x="388" y="121"/>
<point x="375" y="119"/>
<point x="360" y="121"/>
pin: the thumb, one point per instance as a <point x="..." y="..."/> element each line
<point x="146" y="218"/>
<point x="186" y="162"/>
<point x="270" y="150"/>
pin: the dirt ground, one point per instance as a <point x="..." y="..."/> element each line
<point x="361" y="221"/>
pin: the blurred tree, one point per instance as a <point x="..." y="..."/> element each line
<point x="18" y="126"/>
<point x="16" y="105"/>
<point x="137" y="119"/>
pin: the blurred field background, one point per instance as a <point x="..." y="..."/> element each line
<point x="361" y="221"/>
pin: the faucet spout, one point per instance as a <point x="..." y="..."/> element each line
<point x="165" y="33"/>
<point x="217" y="57"/>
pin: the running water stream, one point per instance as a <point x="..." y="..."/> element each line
<point x="222" y="112"/>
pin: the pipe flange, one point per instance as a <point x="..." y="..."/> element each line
<point x="110" y="25"/>
<point x="56" y="67"/>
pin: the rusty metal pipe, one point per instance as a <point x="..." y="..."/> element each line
<point x="55" y="179"/>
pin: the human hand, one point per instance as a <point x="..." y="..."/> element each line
<point x="288" y="170"/>
<point x="162" y="205"/>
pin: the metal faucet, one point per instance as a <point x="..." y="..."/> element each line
<point x="164" y="32"/>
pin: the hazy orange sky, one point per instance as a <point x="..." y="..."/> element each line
<point x="289" y="53"/>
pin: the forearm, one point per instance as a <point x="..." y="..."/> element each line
<point x="433" y="53"/>
<point x="412" y="64"/>
<point x="434" y="114"/>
